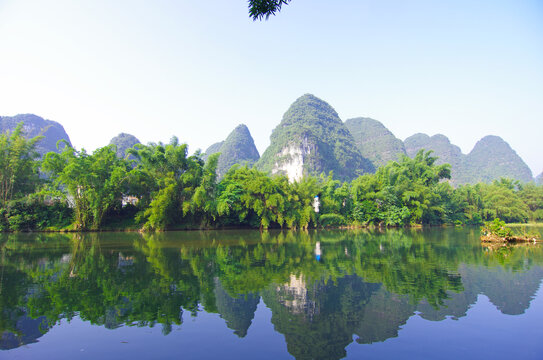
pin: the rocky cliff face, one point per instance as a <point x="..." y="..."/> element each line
<point x="311" y="139"/>
<point x="238" y="148"/>
<point x="374" y="141"/>
<point x="34" y="125"/>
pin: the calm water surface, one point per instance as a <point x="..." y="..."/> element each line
<point x="409" y="294"/>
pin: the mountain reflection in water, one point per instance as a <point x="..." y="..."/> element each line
<point x="324" y="289"/>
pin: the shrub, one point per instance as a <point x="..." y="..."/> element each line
<point x="496" y="227"/>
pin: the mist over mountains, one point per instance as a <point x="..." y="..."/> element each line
<point x="311" y="139"/>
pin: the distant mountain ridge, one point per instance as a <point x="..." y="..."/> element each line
<point x="238" y="148"/>
<point x="310" y="140"/>
<point x="34" y="125"/>
<point x="490" y="159"/>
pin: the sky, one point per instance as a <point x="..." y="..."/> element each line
<point x="197" y="69"/>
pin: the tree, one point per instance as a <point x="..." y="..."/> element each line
<point x="18" y="165"/>
<point x="93" y="182"/>
<point x="532" y="195"/>
<point x="203" y="203"/>
<point x="250" y="194"/>
<point x="502" y="200"/>
<point x="170" y="181"/>
<point x="401" y="192"/>
<point x="259" y="9"/>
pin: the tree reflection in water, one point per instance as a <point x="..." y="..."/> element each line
<point x="361" y="283"/>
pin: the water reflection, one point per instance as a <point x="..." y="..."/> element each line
<point x="322" y="288"/>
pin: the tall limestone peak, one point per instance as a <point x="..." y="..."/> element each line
<point x="492" y="158"/>
<point x="446" y="152"/>
<point x="123" y="142"/>
<point x="539" y="179"/>
<point x="238" y="148"/>
<point x="374" y="141"/>
<point x="312" y="139"/>
<point x="34" y="125"/>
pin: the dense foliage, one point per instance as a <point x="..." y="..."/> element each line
<point x="18" y="174"/>
<point x="159" y="187"/>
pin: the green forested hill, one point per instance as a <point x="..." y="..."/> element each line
<point x="492" y="158"/>
<point x="34" y="125"/>
<point x="448" y="153"/>
<point x="123" y="142"/>
<point x="312" y="139"/>
<point x="238" y="148"/>
<point x="375" y="141"/>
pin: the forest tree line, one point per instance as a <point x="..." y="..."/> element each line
<point x="160" y="186"/>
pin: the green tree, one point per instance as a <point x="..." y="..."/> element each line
<point x="251" y="194"/>
<point x="502" y="200"/>
<point x="401" y="192"/>
<point x="203" y="204"/>
<point x="170" y="178"/>
<point x="18" y="165"/>
<point x="532" y="195"/>
<point x="469" y="199"/>
<point x="94" y="183"/>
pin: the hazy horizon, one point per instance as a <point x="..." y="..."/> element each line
<point x="198" y="69"/>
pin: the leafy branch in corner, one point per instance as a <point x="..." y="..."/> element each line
<point x="259" y="9"/>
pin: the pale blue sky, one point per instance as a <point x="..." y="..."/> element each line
<point x="196" y="69"/>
